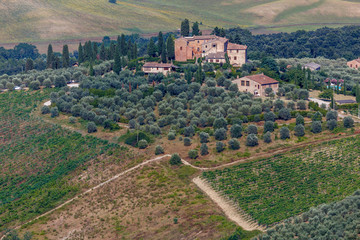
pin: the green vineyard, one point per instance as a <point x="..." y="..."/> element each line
<point x="282" y="186"/>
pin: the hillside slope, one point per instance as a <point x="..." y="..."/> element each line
<point x="34" y="20"/>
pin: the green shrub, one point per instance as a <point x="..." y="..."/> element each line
<point x="331" y="124"/>
<point x="45" y="110"/>
<point x="236" y="131"/>
<point x="187" y="141"/>
<point x="299" y="130"/>
<point x="175" y="159"/>
<point x="142" y="144"/>
<point x="91" y="127"/>
<point x="220" y="134"/>
<point x="252" y="129"/>
<point x="220" y="146"/>
<point x="171" y="136"/>
<point x="54" y="112"/>
<point x="193" y="154"/>
<point x="252" y="140"/>
<point x="204" y="149"/>
<point x="234" y="144"/>
<point x="267" y="137"/>
<point x="316" y="127"/>
<point x="159" y="150"/>
<point x="348" y="122"/>
<point x="284" y="133"/>
<point x="72" y="120"/>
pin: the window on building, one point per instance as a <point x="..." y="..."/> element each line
<point x="229" y="58"/>
<point x="214" y="45"/>
<point x="247" y="83"/>
<point x="211" y="60"/>
<point x="198" y="49"/>
<point x="237" y="51"/>
<point x="157" y="68"/>
<point x="217" y="60"/>
<point x="235" y="58"/>
<point x="198" y="41"/>
<point x="180" y="48"/>
<point x="242" y="83"/>
<point x="166" y="68"/>
<point x="258" y="86"/>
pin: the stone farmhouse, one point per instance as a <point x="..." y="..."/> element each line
<point x="154" y="67"/>
<point x="354" y="63"/>
<point x="256" y="84"/>
<point x="210" y="47"/>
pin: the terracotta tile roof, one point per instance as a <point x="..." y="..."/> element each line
<point x="357" y="60"/>
<point x="218" y="55"/>
<point x="262" y="79"/>
<point x="159" y="65"/>
<point x="233" y="46"/>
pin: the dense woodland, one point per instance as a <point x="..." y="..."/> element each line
<point x="325" y="42"/>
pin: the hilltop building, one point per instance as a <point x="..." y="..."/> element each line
<point x="210" y="47"/>
<point x="354" y="63"/>
<point x="256" y="84"/>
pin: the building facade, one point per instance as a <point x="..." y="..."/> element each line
<point x="354" y="63"/>
<point x="154" y="67"/>
<point x="201" y="46"/>
<point x="256" y="84"/>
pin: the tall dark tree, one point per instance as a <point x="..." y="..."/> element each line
<point x="118" y="44"/>
<point x="50" y="57"/>
<point x="95" y="50"/>
<point x="117" y="63"/>
<point x="163" y="54"/>
<point x="195" y="29"/>
<point x="151" y="48"/>
<point x="111" y="50"/>
<point x="170" y="47"/>
<point x="29" y="65"/>
<point x="160" y="43"/>
<point x="81" y="53"/>
<point x="65" y="56"/>
<point x="129" y="50"/>
<point x="102" y="52"/>
<point x="185" y="28"/>
<point x="123" y="47"/>
<point x="135" y="51"/>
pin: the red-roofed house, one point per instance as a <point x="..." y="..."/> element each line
<point x="354" y="63"/>
<point x="256" y="84"/>
<point x="154" y="67"/>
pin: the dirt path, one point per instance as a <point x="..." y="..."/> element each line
<point x="230" y="211"/>
<point x="241" y="219"/>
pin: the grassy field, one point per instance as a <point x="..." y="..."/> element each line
<point x="38" y="160"/>
<point x="37" y="20"/>
<point x="282" y="186"/>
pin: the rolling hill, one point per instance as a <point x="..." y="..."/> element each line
<point x="36" y="20"/>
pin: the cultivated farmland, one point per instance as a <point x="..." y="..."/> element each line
<point x="282" y="186"/>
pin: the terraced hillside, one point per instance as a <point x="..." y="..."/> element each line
<point x="34" y="20"/>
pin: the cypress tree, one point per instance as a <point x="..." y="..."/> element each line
<point x="112" y="50"/>
<point x="123" y="45"/>
<point x="102" y="52"/>
<point x="344" y="87"/>
<point x="135" y="51"/>
<point x="170" y="47"/>
<point x="118" y="44"/>
<point x="357" y="93"/>
<point x="50" y="57"/>
<point x="195" y="29"/>
<point x="151" y="48"/>
<point x="160" y="43"/>
<point x="117" y="63"/>
<point x="91" y="70"/>
<point x="163" y="54"/>
<point x="129" y="50"/>
<point x="95" y="50"/>
<point x="185" y="28"/>
<point x="65" y="56"/>
<point x="81" y="53"/>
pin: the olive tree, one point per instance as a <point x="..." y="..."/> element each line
<point x="268" y="126"/>
<point x="299" y="120"/>
<point x="331" y="124"/>
<point x="204" y="149"/>
<point x="348" y="122"/>
<point x="234" y="144"/>
<point x="220" y="134"/>
<point x="267" y="137"/>
<point x="299" y="130"/>
<point x="252" y="129"/>
<point x="284" y="133"/>
<point x="252" y="140"/>
<point x="142" y="144"/>
<point x="236" y="131"/>
<point x="175" y="159"/>
<point x="204" y="137"/>
<point x="193" y="154"/>
<point x="91" y="127"/>
<point x="316" y="127"/>
<point x="220" y="146"/>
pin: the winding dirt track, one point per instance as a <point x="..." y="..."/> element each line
<point x="230" y="211"/>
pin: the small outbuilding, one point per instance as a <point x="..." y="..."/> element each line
<point x="216" y="57"/>
<point x="312" y="66"/>
<point x="155" y="67"/>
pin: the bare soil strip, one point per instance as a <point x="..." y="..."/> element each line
<point x="228" y="207"/>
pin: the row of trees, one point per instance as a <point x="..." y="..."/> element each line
<point x="165" y="49"/>
<point x="185" y="28"/>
